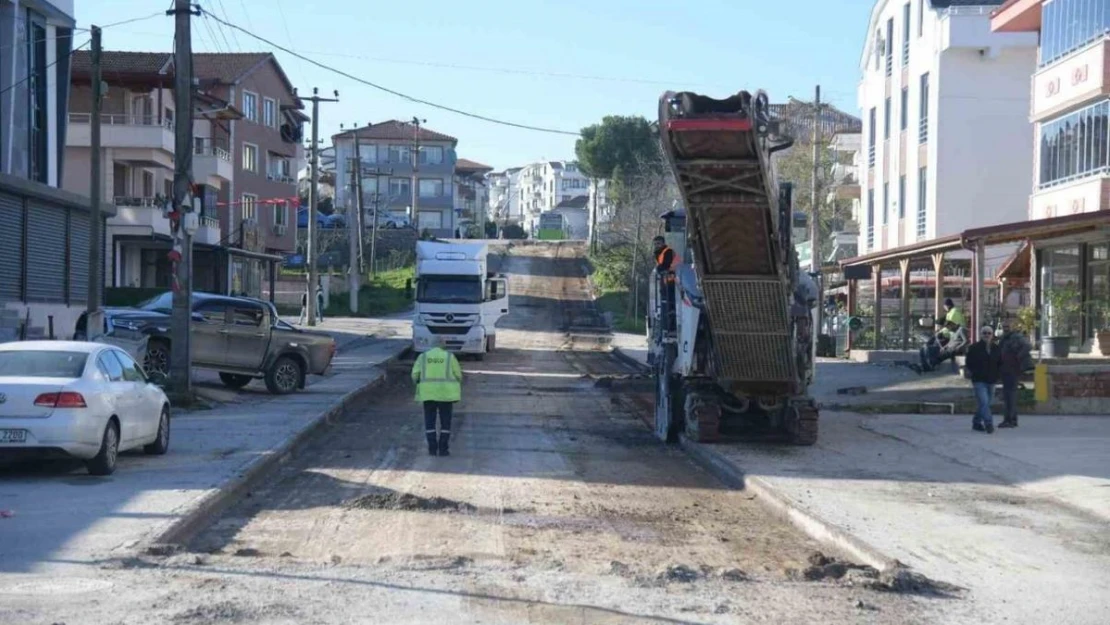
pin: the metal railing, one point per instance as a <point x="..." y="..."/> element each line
<point x="970" y="10"/>
<point x="138" y="201"/>
<point x="871" y="155"/>
<point x="923" y="130"/>
<point x="208" y="149"/>
<point x="122" y="120"/>
<point x="207" y="221"/>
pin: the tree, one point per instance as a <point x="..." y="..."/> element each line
<point x="617" y="143"/>
<point x="796" y="165"/>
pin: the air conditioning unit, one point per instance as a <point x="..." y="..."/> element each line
<point x="279" y="230"/>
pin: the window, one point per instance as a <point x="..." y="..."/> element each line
<point x="42" y="364"/>
<point x="923" y="124"/>
<point x="886" y="119"/>
<point x="368" y="153"/>
<point x="889" y="46"/>
<point x="250" y="106"/>
<point x="148" y="184"/>
<point x="870" y="219"/>
<point x="905" y="34"/>
<point x="920" y="17"/>
<point x="399" y="154"/>
<point x="871" y="138"/>
<point x="246" y="315"/>
<point x="886" y="202"/>
<point x="431" y="155"/>
<point x="281" y="213"/>
<point x="131" y="370"/>
<point x="431" y="220"/>
<point x="1075" y="145"/>
<point x="110" y="367"/>
<point x="902" y="196"/>
<point x="250" y="207"/>
<point x="431" y="187"/>
<point x="922" y="186"/>
<point x="214" y="311"/>
<point x="905" y="108"/>
<point x="1067" y="25"/>
<point x="269" y="112"/>
<point x="37" y="114"/>
<point x="400" y="188"/>
<point x="250" y="157"/>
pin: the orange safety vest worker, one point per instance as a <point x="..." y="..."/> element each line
<point x="665" y="261"/>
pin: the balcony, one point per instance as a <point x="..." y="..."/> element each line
<point x="969" y="27"/>
<point x="212" y="162"/>
<point x="1073" y="80"/>
<point x="1082" y="196"/>
<point x="141" y="213"/>
<point x="436" y="201"/>
<point x="208" y="231"/>
<point x="139" y="140"/>
<point x="923" y="130"/>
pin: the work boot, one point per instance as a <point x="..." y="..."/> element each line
<point x="990" y="428"/>
<point x="978" y="427"/>
<point x="1008" y="423"/>
<point x="443" y="440"/>
<point x="432" y="447"/>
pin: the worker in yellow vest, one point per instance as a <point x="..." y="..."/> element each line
<point x="438" y="380"/>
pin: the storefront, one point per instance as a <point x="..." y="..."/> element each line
<point x="1074" y="279"/>
<point x="141" y="262"/>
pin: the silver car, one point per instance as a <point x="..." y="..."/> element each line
<point x="82" y="400"/>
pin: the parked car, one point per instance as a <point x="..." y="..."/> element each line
<point x="78" y="399"/>
<point x="388" y="220"/>
<point x="240" y="337"/>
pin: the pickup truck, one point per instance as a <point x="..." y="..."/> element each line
<point x="240" y="337"/>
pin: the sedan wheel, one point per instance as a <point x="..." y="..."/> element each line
<point x="161" y="444"/>
<point x="105" y="461"/>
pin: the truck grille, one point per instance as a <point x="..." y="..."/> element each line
<point x="449" y="329"/>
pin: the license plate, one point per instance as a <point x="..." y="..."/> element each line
<point x="13" y="436"/>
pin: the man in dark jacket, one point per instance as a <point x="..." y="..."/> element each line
<point x="1015" y="350"/>
<point x="983" y="361"/>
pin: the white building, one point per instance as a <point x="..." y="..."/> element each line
<point x="947" y="137"/>
<point x="546" y="184"/>
<point x="599" y="210"/>
<point x="845" y="189"/>
<point x="504" y="198"/>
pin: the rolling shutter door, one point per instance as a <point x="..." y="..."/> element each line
<point x="11" y="247"/>
<point x="46" y="253"/>
<point x="78" y="257"/>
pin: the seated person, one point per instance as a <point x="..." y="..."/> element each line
<point x="948" y="342"/>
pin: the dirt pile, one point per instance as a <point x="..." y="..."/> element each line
<point x="897" y="580"/>
<point x="407" y="501"/>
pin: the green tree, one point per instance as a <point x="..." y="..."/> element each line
<point x="796" y="165"/>
<point x="619" y="143"/>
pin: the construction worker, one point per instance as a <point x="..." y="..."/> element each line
<point x="953" y="314"/>
<point x="438" y="380"/>
<point x="666" y="261"/>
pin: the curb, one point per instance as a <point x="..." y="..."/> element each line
<point x="181" y="531"/>
<point x="629" y="360"/>
<point x="814" y="526"/>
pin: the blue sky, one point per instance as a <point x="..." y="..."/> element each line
<point x="560" y="64"/>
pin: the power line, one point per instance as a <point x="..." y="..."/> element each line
<point x="48" y="66"/>
<point x="387" y="89"/>
<point x="7" y="47"/>
<point x="223" y="10"/>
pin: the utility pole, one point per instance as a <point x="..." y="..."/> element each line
<point x="181" y="212"/>
<point x="358" y="201"/>
<point x="93" y="324"/>
<point x="313" y="200"/>
<point x="377" y="174"/>
<point x="815" y="222"/>
<point x="416" y="165"/>
<point x="353" y="233"/>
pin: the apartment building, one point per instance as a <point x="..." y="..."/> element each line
<point x="845" y="189"/>
<point x="44" y="231"/>
<point x="423" y="185"/>
<point x="471" y="193"/>
<point x="945" y="105"/>
<point x="545" y="185"/>
<point x="599" y="210"/>
<point x="504" y="199"/>
<point x="1070" y="109"/>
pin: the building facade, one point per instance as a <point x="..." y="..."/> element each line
<point x="504" y="198"/>
<point x="397" y="181"/>
<point x="471" y="196"/>
<point x="946" y="126"/>
<point x="544" y="185"/>
<point x="1070" y="109"/>
<point x="44" y="231"/>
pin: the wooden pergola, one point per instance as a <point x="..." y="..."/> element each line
<point x="976" y="240"/>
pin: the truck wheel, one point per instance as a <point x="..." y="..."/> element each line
<point x="235" y="380"/>
<point x="284" y="376"/>
<point x="157" y="357"/>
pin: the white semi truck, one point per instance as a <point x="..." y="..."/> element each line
<point x="457" y="298"/>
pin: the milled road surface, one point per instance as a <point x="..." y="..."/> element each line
<point x="556" y="506"/>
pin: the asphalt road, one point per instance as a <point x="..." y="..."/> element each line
<point x="556" y="506"/>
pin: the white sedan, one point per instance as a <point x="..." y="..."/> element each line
<point x="82" y="400"/>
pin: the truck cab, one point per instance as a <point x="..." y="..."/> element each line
<point x="457" y="298"/>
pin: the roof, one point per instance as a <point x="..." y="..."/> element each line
<point x="578" y="201"/>
<point x="115" y="63"/>
<point x="944" y="4"/>
<point x="394" y="130"/>
<point x="84" y="347"/>
<point x="555" y="164"/>
<point x="465" y="164"/>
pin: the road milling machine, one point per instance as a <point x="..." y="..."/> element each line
<point x="730" y="326"/>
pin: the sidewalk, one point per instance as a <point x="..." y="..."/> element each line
<point x="1021" y="518"/>
<point x="61" y="516"/>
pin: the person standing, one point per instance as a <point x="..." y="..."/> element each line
<point x="438" y="380"/>
<point x="666" y="261"/>
<point x="1015" y="350"/>
<point x="983" y="361"/>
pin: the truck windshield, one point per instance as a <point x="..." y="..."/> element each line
<point x="449" y="290"/>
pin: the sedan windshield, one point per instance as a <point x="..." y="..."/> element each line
<point x="449" y="290"/>
<point x="42" y="364"/>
